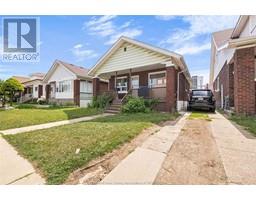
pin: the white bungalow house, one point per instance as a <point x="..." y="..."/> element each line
<point x="68" y="83"/>
<point x="33" y="86"/>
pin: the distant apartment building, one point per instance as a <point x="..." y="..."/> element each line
<point x="197" y="82"/>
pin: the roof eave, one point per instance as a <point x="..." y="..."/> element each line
<point x="123" y="39"/>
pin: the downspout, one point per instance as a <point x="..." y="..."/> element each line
<point x="178" y="87"/>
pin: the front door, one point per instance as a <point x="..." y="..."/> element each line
<point x="121" y="86"/>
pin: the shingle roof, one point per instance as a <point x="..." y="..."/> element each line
<point x="78" y="70"/>
<point x="21" y="79"/>
<point x="38" y="74"/>
<point x="221" y="37"/>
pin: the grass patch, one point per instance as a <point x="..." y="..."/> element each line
<point x="199" y="115"/>
<point x="17" y="118"/>
<point x="248" y="122"/>
<point x="53" y="150"/>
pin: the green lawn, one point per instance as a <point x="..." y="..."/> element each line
<point x="249" y="123"/>
<point x="30" y="116"/>
<point x="53" y="150"/>
<point x="199" y="115"/>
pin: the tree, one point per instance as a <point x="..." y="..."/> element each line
<point x="10" y="87"/>
<point x="2" y="93"/>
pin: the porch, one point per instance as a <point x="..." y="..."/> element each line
<point x="149" y="82"/>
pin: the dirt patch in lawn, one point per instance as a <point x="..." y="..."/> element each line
<point x="97" y="169"/>
<point x="193" y="158"/>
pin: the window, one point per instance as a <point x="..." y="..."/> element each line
<point x="63" y="86"/>
<point x="135" y="82"/>
<point x="36" y="89"/>
<point x="157" y="79"/>
<point x="86" y="86"/>
<point x="121" y="84"/>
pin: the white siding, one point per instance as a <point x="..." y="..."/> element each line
<point x="133" y="57"/>
<point x="250" y="27"/>
<point x="62" y="74"/>
<point x="221" y="57"/>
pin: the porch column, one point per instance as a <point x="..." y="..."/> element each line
<point x="244" y="83"/>
<point x="171" y="85"/>
<point x="96" y="86"/>
<point x="77" y="92"/>
<point x="40" y="91"/>
<point x="47" y="91"/>
<point x="130" y="80"/>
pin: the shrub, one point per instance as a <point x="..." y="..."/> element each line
<point x="41" y="100"/>
<point x="25" y="106"/>
<point x="134" y="105"/>
<point x="102" y="101"/>
<point x="151" y="103"/>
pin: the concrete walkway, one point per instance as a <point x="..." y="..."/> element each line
<point x="51" y="124"/>
<point x="142" y="165"/>
<point x="238" y="153"/>
<point x="14" y="169"/>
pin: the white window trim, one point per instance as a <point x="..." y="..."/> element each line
<point x="135" y="76"/>
<point x="121" y="91"/>
<point x="151" y="73"/>
<point x="58" y="86"/>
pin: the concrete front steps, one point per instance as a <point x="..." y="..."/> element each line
<point x="115" y="107"/>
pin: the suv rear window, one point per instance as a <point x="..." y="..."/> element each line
<point x="201" y="93"/>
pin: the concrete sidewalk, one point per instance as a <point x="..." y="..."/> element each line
<point x="238" y="153"/>
<point x="14" y="169"/>
<point x="51" y="124"/>
<point x="142" y="165"/>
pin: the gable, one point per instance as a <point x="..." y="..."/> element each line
<point x="129" y="56"/>
<point x="61" y="73"/>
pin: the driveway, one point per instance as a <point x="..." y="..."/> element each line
<point x="238" y="152"/>
<point x="210" y="152"/>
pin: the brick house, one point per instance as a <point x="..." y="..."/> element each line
<point x="233" y="68"/>
<point x="133" y="67"/>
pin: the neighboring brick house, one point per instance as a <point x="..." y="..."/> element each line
<point x="66" y="83"/>
<point x="233" y="68"/>
<point x="136" y="68"/>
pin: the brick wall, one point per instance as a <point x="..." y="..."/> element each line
<point x="226" y="78"/>
<point x="244" y="75"/>
<point x="171" y="91"/>
<point x="184" y="88"/>
<point x="103" y="87"/>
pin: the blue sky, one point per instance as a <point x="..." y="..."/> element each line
<point x="82" y="40"/>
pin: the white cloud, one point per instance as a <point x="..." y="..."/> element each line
<point x="188" y="40"/>
<point x="106" y="27"/>
<point x="132" y="33"/>
<point x="191" y="49"/>
<point x="165" y="17"/>
<point x="81" y="53"/>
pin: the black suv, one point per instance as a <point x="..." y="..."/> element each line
<point x="201" y="99"/>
